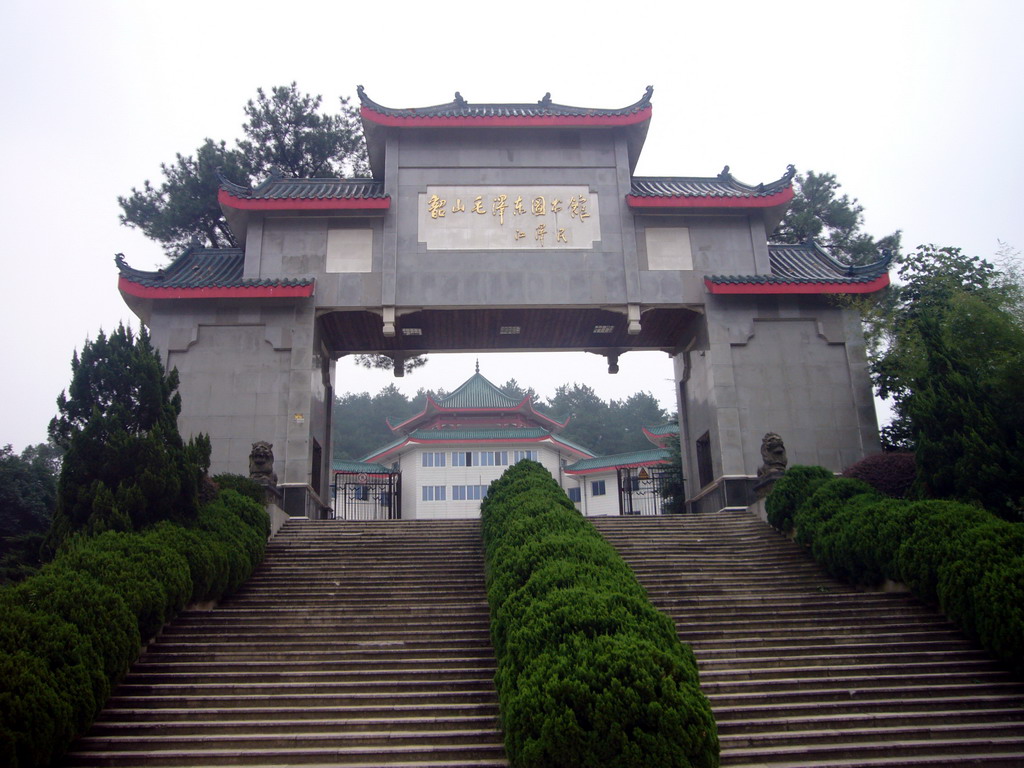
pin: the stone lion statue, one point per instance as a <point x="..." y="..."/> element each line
<point x="261" y="463"/>
<point x="773" y="454"/>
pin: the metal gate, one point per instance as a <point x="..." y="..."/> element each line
<point x="368" y="497"/>
<point x="640" y="489"/>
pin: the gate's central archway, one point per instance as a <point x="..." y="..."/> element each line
<point x="589" y="329"/>
<point x="513" y="227"/>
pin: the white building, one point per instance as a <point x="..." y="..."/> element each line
<point x="443" y="460"/>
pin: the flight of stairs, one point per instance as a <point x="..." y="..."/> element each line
<point x="802" y="670"/>
<point x="354" y="644"/>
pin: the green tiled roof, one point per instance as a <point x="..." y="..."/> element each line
<point x="470" y="435"/>
<point x="672" y="428"/>
<point x="720" y="186"/>
<point x="807" y="263"/>
<point x="203" y="268"/>
<point x="368" y="467"/>
<point x="544" y="107"/>
<point x="528" y="433"/>
<point x="478" y="392"/>
<point x="276" y="187"/>
<point x="652" y="456"/>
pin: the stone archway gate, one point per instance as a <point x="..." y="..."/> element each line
<point x="499" y="227"/>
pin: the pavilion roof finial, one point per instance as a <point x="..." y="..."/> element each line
<point x="478" y="365"/>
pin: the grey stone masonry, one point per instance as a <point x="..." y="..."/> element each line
<point x="482" y="217"/>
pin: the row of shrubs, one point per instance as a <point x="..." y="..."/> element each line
<point x="589" y="672"/>
<point x="70" y="632"/>
<point x="959" y="557"/>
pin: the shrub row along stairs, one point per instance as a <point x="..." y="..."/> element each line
<point x="802" y="670"/>
<point x="354" y="644"/>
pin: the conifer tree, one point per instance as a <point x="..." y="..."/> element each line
<point x="125" y="464"/>
<point x="964" y="450"/>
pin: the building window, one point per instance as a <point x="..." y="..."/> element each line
<point x="518" y="456"/>
<point x="705" y="473"/>
<point x="468" y="492"/>
<point x="433" y="459"/>
<point x="462" y="458"/>
<point x="597" y="488"/>
<point x="361" y="493"/>
<point x="574" y="495"/>
<point x="433" y="493"/>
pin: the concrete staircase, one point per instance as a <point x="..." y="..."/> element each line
<point x="354" y="644"/>
<point x="804" y="671"/>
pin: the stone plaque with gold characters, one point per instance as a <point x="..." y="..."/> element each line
<point x="502" y="218"/>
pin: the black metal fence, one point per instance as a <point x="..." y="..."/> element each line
<point x="640" y="489"/>
<point x="368" y="497"/>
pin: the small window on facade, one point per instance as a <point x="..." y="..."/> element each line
<point x="705" y="473"/>
<point x="468" y="492"/>
<point x="597" y="488"/>
<point x="433" y="459"/>
<point x="574" y="495"/>
<point x="433" y="493"/>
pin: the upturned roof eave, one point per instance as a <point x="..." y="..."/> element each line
<point x="458" y="114"/>
<point x="790" y="285"/>
<point x="513" y="113"/>
<point x="432" y="409"/>
<point x="205" y="273"/>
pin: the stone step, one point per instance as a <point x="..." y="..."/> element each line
<point x="270" y="722"/>
<point x="311" y="699"/>
<point x="430" y="710"/>
<point x="280" y="739"/>
<point x="817" y="722"/>
<point x="302" y="649"/>
<point x="321" y="638"/>
<point x="924" y="750"/>
<point x="387" y="615"/>
<point x="945" y="760"/>
<point x="855" y="655"/>
<point x="797" y="631"/>
<point x="340" y="685"/>
<point x="785" y="697"/>
<point x="357" y="628"/>
<point x="273" y="674"/>
<point x="881" y="637"/>
<point x="974" y="669"/>
<point x="365" y="659"/>
<point x="850" y="735"/>
<point x="803" y="671"/>
<point x="298" y="754"/>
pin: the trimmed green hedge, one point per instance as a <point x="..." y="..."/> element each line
<point x="789" y="491"/>
<point x="959" y="557"/>
<point x="589" y="672"/>
<point x="69" y="633"/>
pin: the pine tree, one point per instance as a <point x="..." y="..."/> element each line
<point x="125" y="464"/>
<point x="285" y="130"/>
<point x="818" y="212"/>
<point x="964" y="450"/>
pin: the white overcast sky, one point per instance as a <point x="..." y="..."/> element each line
<point x="916" y="106"/>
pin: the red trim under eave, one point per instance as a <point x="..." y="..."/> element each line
<point x="237" y="292"/>
<point x="769" y="201"/>
<point x="776" y="288"/>
<point x="304" y="204"/>
<point x="538" y="121"/>
<point x="614" y="467"/>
